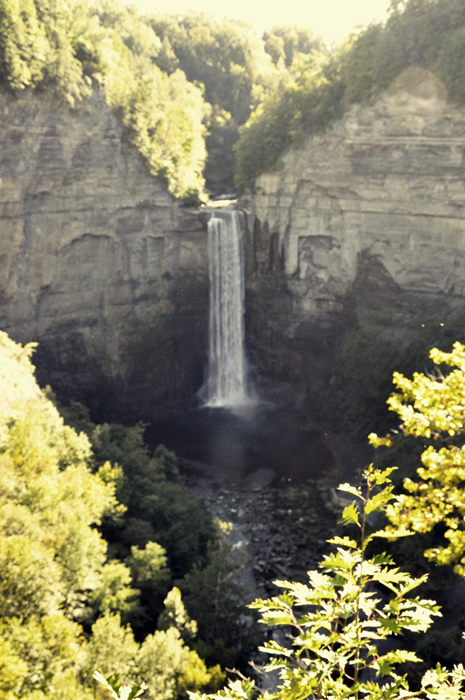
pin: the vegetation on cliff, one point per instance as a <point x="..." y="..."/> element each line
<point x="172" y="80"/>
<point x="176" y="81"/>
<point x="425" y="33"/>
<point x="72" y="601"/>
<point x="237" y="70"/>
<point x="76" y="46"/>
<point x="432" y="408"/>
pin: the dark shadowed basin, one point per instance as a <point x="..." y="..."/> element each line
<point x="238" y="444"/>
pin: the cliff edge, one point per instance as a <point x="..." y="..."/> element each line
<point x="98" y="262"/>
<point x="360" y="230"/>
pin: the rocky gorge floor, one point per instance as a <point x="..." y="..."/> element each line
<point x="282" y="527"/>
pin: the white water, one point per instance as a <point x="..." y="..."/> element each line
<point x="226" y="383"/>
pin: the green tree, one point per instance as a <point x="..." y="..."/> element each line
<point x="175" y="615"/>
<point x="75" y="47"/>
<point x="336" y="625"/>
<point x="229" y="61"/>
<point x="307" y="101"/>
<point x="159" y="507"/>
<point x="288" y="42"/>
<point x="162" y="663"/>
<point x="47" y="649"/>
<point x="432" y="408"/>
<point x="152" y="576"/>
<point x="112" y="649"/>
<point x="215" y="599"/>
<point x="52" y="558"/>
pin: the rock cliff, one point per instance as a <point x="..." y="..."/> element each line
<point x="355" y="255"/>
<point x="98" y="263"/>
<point x="358" y="237"/>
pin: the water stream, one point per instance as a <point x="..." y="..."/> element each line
<point x="238" y="436"/>
<point x="226" y="384"/>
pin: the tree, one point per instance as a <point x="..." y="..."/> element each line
<point x="308" y="99"/>
<point x="433" y="408"/>
<point x="74" y="47"/>
<point x="335" y="627"/>
<point x="215" y="599"/>
<point x="229" y="61"/>
<point x="151" y="575"/>
<point x="52" y="557"/>
<point x="163" y="663"/>
<point x="288" y="42"/>
<point x="62" y="599"/>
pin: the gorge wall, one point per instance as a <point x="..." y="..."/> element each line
<point x="355" y="255"/>
<point x="356" y="249"/>
<point x="98" y="263"/>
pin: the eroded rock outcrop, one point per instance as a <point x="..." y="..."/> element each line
<point x="362" y="227"/>
<point x="98" y="263"/>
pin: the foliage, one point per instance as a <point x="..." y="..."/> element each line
<point x="432" y="408"/>
<point x="308" y="102"/>
<point x="238" y="72"/>
<point x="167" y="536"/>
<point x="162" y="664"/>
<point x="64" y="603"/>
<point x="175" y="615"/>
<point x="214" y="598"/>
<point x="425" y="33"/>
<point x="334" y="645"/>
<point x="152" y="576"/>
<point x="111" y="648"/>
<point x="49" y="503"/>
<point x="286" y="43"/>
<point x="229" y="61"/>
<point x="116" y="689"/>
<point x="47" y="650"/>
<point x="75" y="46"/>
<point x="52" y="556"/>
<point x="159" y="507"/>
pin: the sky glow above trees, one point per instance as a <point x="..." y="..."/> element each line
<point x="333" y="19"/>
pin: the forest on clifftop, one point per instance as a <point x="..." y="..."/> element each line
<point x="208" y="101"/>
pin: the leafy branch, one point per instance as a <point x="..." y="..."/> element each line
<point x="117" y="690"/>
<point x="336" y="626"/>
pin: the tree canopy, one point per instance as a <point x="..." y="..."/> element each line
<point x="425" y="33"/>
<point x="75" y="46"/>
<point x="72" y="601"/>
<point x="432" y="409"/>
<point x="206" y="99"/>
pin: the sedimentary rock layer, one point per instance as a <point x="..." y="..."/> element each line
<point x="360" y="227"/>
<point x="98" y="263"/>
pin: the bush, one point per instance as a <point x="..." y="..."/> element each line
<point x="335" y="628"/>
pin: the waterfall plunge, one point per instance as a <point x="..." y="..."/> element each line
<point x="227" y="370"/>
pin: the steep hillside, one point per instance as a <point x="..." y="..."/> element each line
<point x="357" y="249"/>
<point x="99" y="263"/>
<point x="322" y="85"/>
<point x="73" y="47"/>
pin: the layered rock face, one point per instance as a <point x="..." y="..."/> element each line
<point x="98" y="263"/>
<point x="360" y="228"/>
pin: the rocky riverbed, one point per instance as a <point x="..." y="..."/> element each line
<point x="283" y="527"/>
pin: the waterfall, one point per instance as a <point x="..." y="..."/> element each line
<point x="226" y="383"/>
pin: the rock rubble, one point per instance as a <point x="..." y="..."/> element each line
<point x="283" y="527"/>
